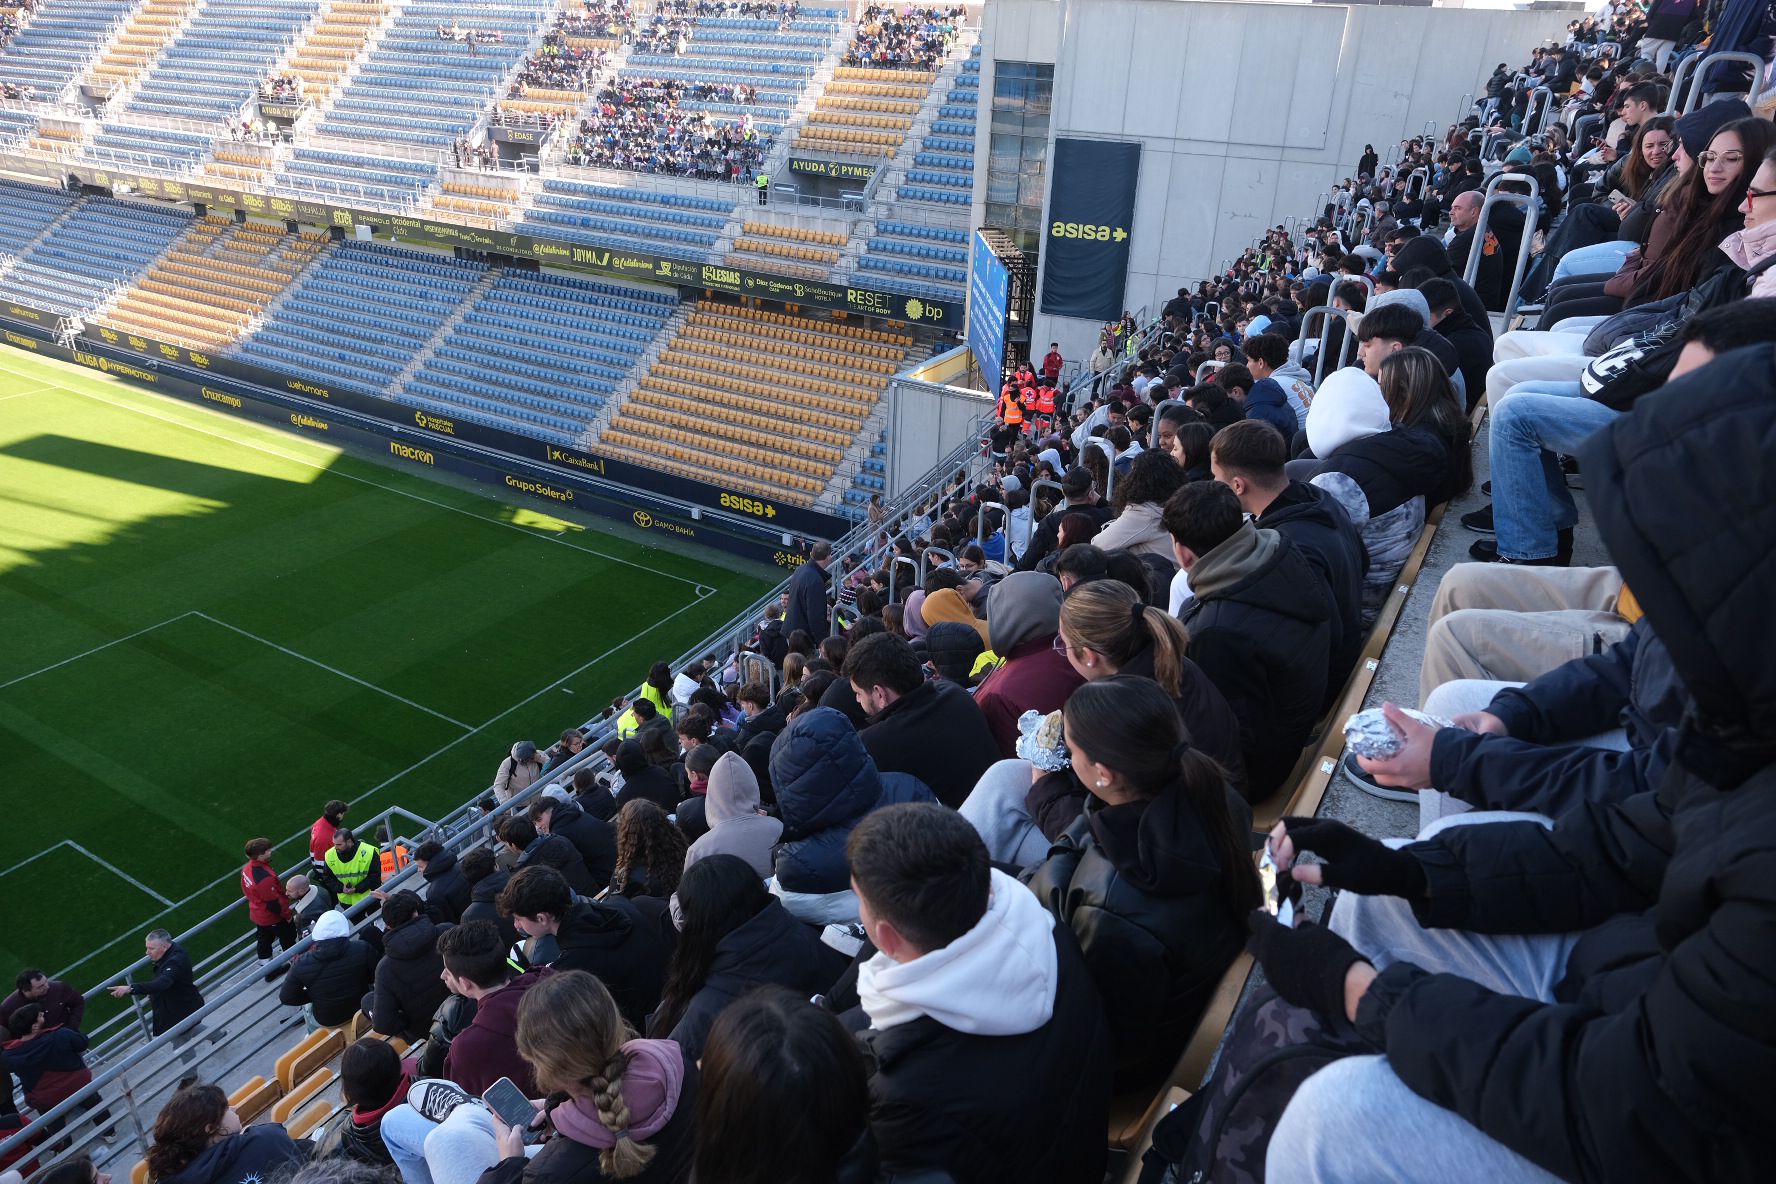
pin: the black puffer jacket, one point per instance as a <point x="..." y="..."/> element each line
<point x="772" y="948"/>
<point x="826" y="783"/>
<point x="408" y="989"/>
<point x="1395" y="466"/>
<point x="937" y="734"/>
<point x="332" y="976"/>
<point x="1265" y="642"/>
<point x="1324" y="534"/>
<point x="447" y="893"/>
<point x="552" y="850"/>
<point x="483" y="896"/>
<point x="616" y="941"/>
<point x="1141" y="888"/>
<point x="1663" y="1030"/>
<point x="594" y="838"/>
<point x="1426" y="251"/>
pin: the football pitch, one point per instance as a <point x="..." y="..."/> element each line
<point x="209" y="627"/>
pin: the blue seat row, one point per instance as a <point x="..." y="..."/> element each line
<point x="624" y="330"/>
<point x="941" y="234"/>
<point x="934" y="177"/>
<point x="889" y="246"/>
<point x="942" y="197"/>
<point x="717" y="67"/>
<point x="683" y="200"/>
<point x="939" y="160"/>
<point x="52" y="50"/>
<point x="927" y="271"/>
<point x="621" y="209"/>
<point x="570" y="219"/>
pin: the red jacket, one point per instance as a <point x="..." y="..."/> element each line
<point x="267" y="902"/>
<point x="1051" y="365"/>
<point x="320" y="839"/>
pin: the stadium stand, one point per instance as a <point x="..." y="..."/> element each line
<point x="824" y="376"/>
<point x="31" y="210"/>
<point x="420" y="86"/>
<point x="149" y="149"/>
<point x="47" y="56"/>
<point x="865" y="111"/>
<point x="538" y="355"/>
<point x="684" y="225"/>
<point x="361" y="315"/>
<point x="79" y="260"/>
<point x="213" y="283"/>
<point x="148" y="31"/>
<point x="323" y="57"/>
<point x="213" y="68"/>
<point x="552" y="83"/>
<point x="807" y="252"/>
<point x="356" y="177"/>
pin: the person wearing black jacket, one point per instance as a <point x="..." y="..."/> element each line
<point x="992" y="1064"/>
<point x="447" y="893"/>
<point x="1260" y="626"/>
<point x="1473" y="344"/>
<point x="642" y="780"/>
<point x="1608" y="984"/>
<point x="612" y="938"/>
<point x="329" y="979"/>
<point x="594" y="838"/>
<point x="408" y="990"/>
<point x="931" y="729"/>
<point x="1081" y="498"/>
<point x="486" y="882"/>
<point x="807" y="596"/>
<point x="1155" y="877"/>
<point x="1426" y="251"/>
<point x="172" y="992"/>
<point x="539" y="850"/>
<point x="1250" y="462"/>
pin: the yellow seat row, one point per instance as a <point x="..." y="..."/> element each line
<point x="799" y="359"/>
<point x="471" y="189"/>
<point x="826" y="344"/>
<point x="740" y="373"/>
<point x="806" y="271"/>
<point x="727" y="407"/>
<point x="833" y="326"/>
<point x="881" y="106"/>
<point x="825" y="255"/>
<point x="748" y="394"/>
<point x="775" y="449"/>
<point x="669" y="457"/>
<point x="871" y="74"/>
<point x="859" y="119"/>
<point x="798" y="234"/>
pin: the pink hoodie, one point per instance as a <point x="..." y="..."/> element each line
<point x="1749" y="247"/>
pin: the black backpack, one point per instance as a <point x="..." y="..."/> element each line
<point x="1221" y="1133"/>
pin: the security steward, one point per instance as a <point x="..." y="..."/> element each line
<point x="355" y="868"/>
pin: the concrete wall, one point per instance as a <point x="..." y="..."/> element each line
<point x="926" y="421"/>
<point x="1245" y="111"/>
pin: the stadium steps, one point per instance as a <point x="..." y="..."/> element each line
<point x="138" y="47"/>
<point x="445" y="328"/>
<point x="335" y="44"/>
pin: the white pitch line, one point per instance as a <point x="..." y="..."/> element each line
<point x="95" y="649"/>
<point x="23" y="394"/>
<point x="117" y="871"/>
<point x="268" y="451"/>
<point x="332" y="670"/>
<point x="380" y="786"/>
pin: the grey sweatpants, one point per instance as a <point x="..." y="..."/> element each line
<point x="1355" y="1121"/>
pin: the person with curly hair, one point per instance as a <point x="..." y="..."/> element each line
<point x="198" y="1140"/>
<point x="650" y="851"/>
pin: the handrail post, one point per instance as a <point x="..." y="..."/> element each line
<point x="1158" y="411"/>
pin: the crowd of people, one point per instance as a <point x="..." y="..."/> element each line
<point x="640" y="125"/>
<point x="597" y="18"/>
<point x="558" y="66"/>
<point x="908" y="38"/>
<point x="283" y="88"/>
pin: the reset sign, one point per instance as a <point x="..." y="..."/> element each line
<point x="1091" y="207"/>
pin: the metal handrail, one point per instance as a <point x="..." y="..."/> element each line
<point x="1104" y="446"/>
<point x="1699" y="65"/>
<point x="1531" y="204"/>
<point x="1158" y="411"/>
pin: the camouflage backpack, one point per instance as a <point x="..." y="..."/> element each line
<point x="1220" y="1135"/>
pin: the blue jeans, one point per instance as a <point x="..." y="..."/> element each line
<point x="1531" y="426"/>
<point x="1598" y="259"/>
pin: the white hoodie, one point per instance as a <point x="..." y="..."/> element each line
<point x="1348" y="407"/>
<point x="998" y="979"/>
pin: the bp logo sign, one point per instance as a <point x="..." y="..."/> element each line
<point x="915" y="309"/>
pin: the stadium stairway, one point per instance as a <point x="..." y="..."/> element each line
<point x="793" y="396"/>
<point x="214" y="283"/>
<point x="213" y="68"/>
<point x="82" y="260"/>
<point x="526" y="100"/>
<point x="149" y="30"/>
<point x="334" y="44"/>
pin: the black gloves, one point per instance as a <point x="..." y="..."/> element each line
<point x="1306" y="965"/>
<point x="1355" y="861"/>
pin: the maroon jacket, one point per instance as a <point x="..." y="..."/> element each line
<point x="49" y="1065"/>
<point x="63" y="1006"/>
<point x="487" y="1049"/>
<point x="1033" y="678"/>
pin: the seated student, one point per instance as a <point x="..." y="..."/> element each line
<point x="1388" y="457"/>
<point x="621" y="942"/>
<point x="932" y="730"/>
<point x="617" y="1108"/>
<point x="1427" y="251"/>
<point x="691" y="815"/>
<point x="650" y="852"/>
<point x="1155" y="876"/>
<point x="737" y="823"/>
<point x="826" y="784"/>
<point x="1140" y="498"/>
<point x="1259" y="625"/>
<point x="1473" y="345"/>
<point x="991" y="1057"/>
<point x="1390" y="326"/>
<point x="447" y="892"/>
<point x="595" y="839"/>
<point x="1251" y="462"/>
<point x="198" y="1140"/>
<point x="1546" y="1002"/>
<point x="733" y="936"/>
<point x="485" y="884"/>
<point x="1023" y="612"/>
<point x="407" y="988"/>
<point x="329" y="979"/>
<point x="1278" y="382"/>
<point x="371" y="1083"/>
<point x="476" y="968"/>
<point x="784" y="1095"/>
<point x="539" y="850"/>
<point x="1211" y="401"/>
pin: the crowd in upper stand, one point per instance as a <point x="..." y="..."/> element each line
<point x="640" y="125"/>
<point x="907" y="38"/>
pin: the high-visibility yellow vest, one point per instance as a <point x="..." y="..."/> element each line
<point x="351" y="873"/>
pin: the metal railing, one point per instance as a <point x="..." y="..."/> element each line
<point x="1698" y="64"/>
<point x="1531" y="213"/>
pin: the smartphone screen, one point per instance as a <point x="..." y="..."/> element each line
<point x="508" y="1102"/>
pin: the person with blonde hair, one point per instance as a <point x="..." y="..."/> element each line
<point x="624" y="1108"/>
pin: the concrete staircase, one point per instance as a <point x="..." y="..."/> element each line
<point x="442" y="333"/>
<point x="662" y="342"/>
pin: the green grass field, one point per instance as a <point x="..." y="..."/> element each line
<point x="211" y="627"/>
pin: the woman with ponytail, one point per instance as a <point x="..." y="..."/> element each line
<point x="617" y="1108"/>
<point x="1155" y="877"/>
<point x="198" y="1140"/>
